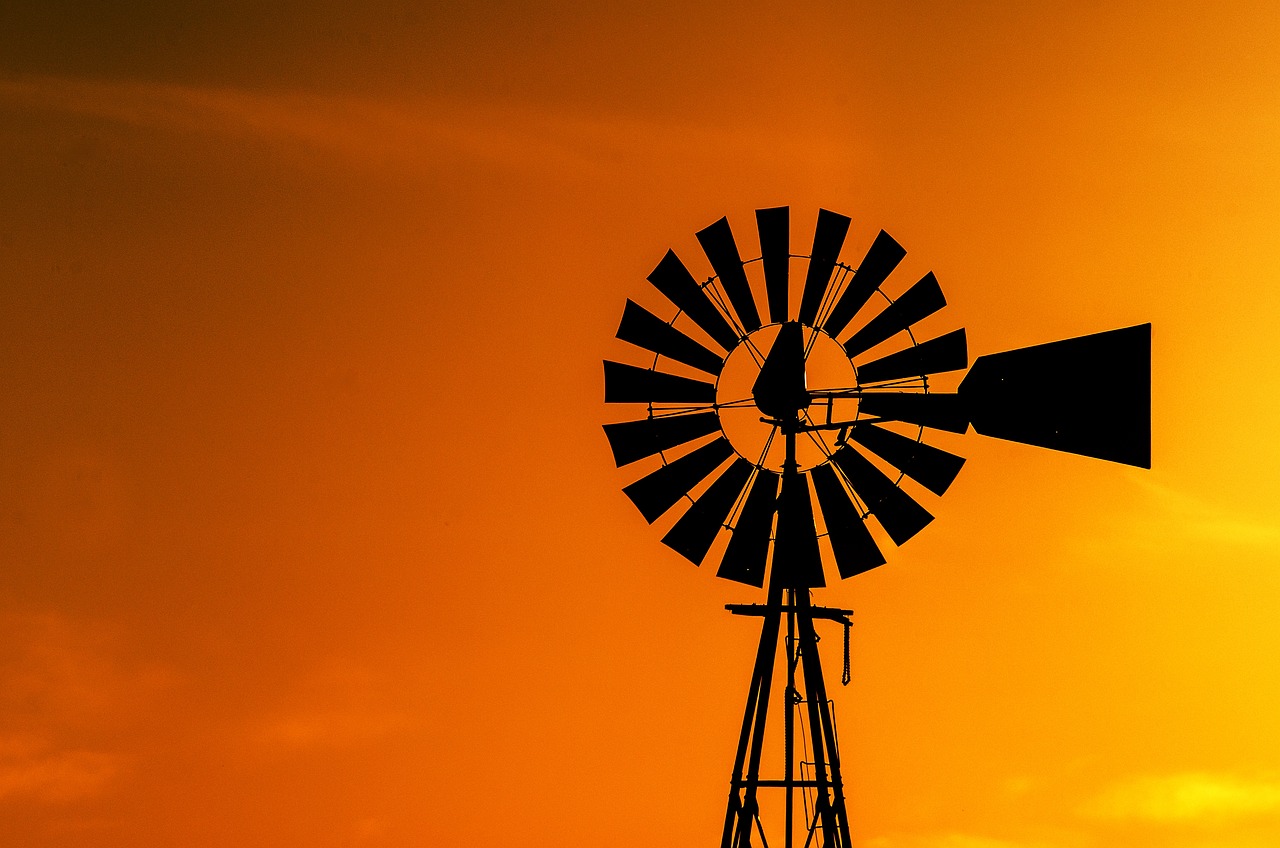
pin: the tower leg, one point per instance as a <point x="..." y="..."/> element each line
<point x="789" y="698"/>
<point x="830" y="806"/>
<point x="743" y="808"/>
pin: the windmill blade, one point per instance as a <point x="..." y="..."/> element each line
<point x="797" y="560"/>
<point x="828" y="238"/>
<point x="748" y="552"/>
<point x="1089" y="395"/>
<point x="931" y="467"/>
<point x="656" y="493"/>
<point x="633" y="440"/>
<point x="642" y="328"/>
<point x="939" y="410"/>
<point x="722" y="251"/>
<point x="775" y="255"/>
<point x="692" y="535"/>
<point x="898" y="514"/>
<point x="945" y="353"/>
<point x="882" y="257"/>
<point x="674" y="280"/>
<point x="631" y="384"/>
<point x="854" y="548"/>
<point x="919" y="301"/>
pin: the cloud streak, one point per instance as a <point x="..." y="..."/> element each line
<point x="63" y="681"/>
<point x="1185" y="798"/>
<point x="420" y="133"/>
<point x="339" y="704"/>
<point x="1174" y="514"/>
<point x="29" y="772"/>
<point x="1209" y="522"/>
<point x="946" y="840"/>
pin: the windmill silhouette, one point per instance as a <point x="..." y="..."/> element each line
<point x="713" y="421"/>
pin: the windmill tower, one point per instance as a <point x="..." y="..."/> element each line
<point x="789" y="414"/>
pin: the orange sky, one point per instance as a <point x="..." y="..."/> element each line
<point x="310" y="534"/>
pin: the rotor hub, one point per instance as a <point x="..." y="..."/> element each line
<point x="825" y="367"/>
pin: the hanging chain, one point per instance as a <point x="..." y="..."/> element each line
<point x="844" y="678"/>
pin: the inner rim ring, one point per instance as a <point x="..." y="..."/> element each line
<point x="826" y="367"/>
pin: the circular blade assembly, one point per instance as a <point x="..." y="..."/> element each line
<point x="861" y="437"/>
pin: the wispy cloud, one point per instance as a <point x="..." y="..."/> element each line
<point x="359" y="128"/>
<point x="337" y="705"/>
<point x="30" y="771"/>
<point x="335" y="727"/>
<point x="420" y="133"/>
<point x="59" y="672"/>
<point x="62" y="683"/>
<point x="1178" y="517"/>
<point x="1186" y="797"/>
<point x="946" y="840"/>
<point x="1210" y="522"/>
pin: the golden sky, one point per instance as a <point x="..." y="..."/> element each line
<point x="309" y="532"/>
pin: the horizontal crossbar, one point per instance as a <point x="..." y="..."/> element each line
<point x="841" y="615"/>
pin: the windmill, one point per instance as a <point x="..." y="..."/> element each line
<point x="751" y="417"/>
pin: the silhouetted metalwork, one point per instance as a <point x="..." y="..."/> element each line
<point x="851" y="543"/>
<point x="674" y="280"/>
<point x="797" y="560"/>
<point x="882" y="257"/>
<point x="1089" y="395"/>
<point x="748" y="551"/>
<point x="722" y="251"/>
<point x="634" y="440"/>
<point x="780" y="391"/>
<point x="820" y="777"/>
<point x="936" y="356"/>
<point x="931" y="467"/>
<point x="629" y="384"/>
<point x="658" y="492"/>
<point x="693" y="534"/>
<point x="936" y="410"/>
<point x="920" y="301"/>
<point x="775" y="257"/>
<point x="898" y="513"/>
<point x="828" y="238"/>
<point x="644" y="329"/>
